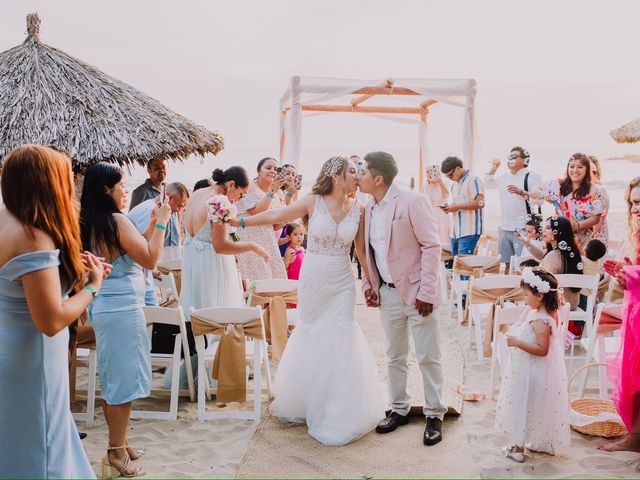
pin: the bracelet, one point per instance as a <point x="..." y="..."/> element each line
<point x="290" y="194"/>
<point x="89" y="288"/>
<point x="269" y="195"/>
<point x="242" y="223"/>
<point x="160" y="226"/>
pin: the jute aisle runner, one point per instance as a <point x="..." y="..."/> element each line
<point x="279" y="450"/>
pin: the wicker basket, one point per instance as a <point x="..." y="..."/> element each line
<point x="593" y="407"/>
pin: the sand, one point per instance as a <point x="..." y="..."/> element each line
<point x="471" y="447"/>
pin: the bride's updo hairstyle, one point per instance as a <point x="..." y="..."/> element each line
<point x="324" y="183"/>
<point x="237" y="174"/>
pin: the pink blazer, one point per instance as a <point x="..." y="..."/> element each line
<point x="413" y="248"/>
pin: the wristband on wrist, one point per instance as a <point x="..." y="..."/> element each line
<point x="242" y="223"/>
<point x="269" y="195"/>
<point x="89" y="288"/>
<point x="160" y="226"/>
<point x="290" y="194"/>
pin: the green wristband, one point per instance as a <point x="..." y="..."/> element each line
<point x="242" y="223"/>
<point x="89" y="288"/>
<point x="290" y="194"/>
<point x="160" y="226"/>
<point x="269" y="195"/>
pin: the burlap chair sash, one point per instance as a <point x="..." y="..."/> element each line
<point x="275" y="318"/>
<point x="229" y="363"/>
<point x="495" y="296"/>
<point x="445" y="255"/>
<point x="461" y="267"/>
<point x="177" y="276"/>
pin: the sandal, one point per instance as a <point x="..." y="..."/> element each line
<point x="510" y="452"/>
<point x="110" y="470"/>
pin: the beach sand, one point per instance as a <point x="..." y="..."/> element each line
<point x="471" y="446"/>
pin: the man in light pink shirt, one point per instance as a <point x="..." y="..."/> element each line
<point x="400" y="243"/>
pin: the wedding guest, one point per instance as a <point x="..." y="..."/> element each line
<point x="596" y="172"/>
<point x="41" y="262"/>
<point x="467" y="206"/>
<point x="122" y="345"/>
<point x="290" y="188"/>
<point x="204" y="183"/>
<point x="533" y="235"/>
<point x="294" y="254"/>
<point x="437" y="192"/>
<point x="575" y="197"/>
<point x="594" y="252"/>
<point x="561" y="255"/>
<point x="533" y="406"/>
<point x="514" y="211"/>
<point x="264" y="194"/>
<point x="624" y="367"/>
<point x="152" y="186"/>
<point x="141" y="216"/>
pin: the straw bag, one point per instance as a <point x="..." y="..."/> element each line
<point x="594" y="416"/>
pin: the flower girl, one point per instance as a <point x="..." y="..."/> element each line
<point x="533" y="406"/>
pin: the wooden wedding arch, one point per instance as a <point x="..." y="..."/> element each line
<point x="324" y="95"/>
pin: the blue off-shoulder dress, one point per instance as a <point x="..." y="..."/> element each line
<point x="38" y="437"/>
<point x="122" y="344"/>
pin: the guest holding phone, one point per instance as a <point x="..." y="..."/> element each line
<point x="264" y="194"/>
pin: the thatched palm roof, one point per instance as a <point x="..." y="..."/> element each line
<point x="50" y="98"/>
<point x="628" y="133"/>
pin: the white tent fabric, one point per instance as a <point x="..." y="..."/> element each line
<point x="316" y="90"/>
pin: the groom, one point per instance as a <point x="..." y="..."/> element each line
<point x="399" y="240"/>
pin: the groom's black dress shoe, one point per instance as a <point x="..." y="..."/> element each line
<point x="393" y="421"/>
<point x="433" y="432"/>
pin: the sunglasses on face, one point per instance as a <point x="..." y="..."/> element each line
<point x="513" y="156"/>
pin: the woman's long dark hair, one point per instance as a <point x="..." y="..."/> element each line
<point x="567" y="245"/>
<point x="98" y="227"/>
<point x="585" y="187"/>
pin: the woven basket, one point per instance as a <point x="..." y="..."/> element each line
<point x="593" y="407"/>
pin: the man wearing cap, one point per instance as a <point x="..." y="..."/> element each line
<point x="514" y="211"/>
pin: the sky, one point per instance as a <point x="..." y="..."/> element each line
<point x="553" y="76"/>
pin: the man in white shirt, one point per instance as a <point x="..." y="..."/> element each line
<point x="515" y="211"/>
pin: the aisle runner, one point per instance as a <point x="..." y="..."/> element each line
<point x="278" y="450"/>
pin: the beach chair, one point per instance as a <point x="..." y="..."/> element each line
<point x="168" y="289"/>
<point x="514" y="264"/>
<point x="503" y="316"/>
<point x="224" y="321"/>
<point x="170" y="316"/>
<point x="464" y="266"/>
<point x="86" y="357"/>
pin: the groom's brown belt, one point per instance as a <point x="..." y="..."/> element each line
<point x="390" y="285"/>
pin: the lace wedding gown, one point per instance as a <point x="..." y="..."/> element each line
<point x="327" y="377"/>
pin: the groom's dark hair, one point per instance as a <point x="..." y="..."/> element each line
<point x="382" y="163"/>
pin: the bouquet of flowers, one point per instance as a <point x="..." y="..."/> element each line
<point x="220" y="209"/>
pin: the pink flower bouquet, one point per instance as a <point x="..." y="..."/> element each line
<point x="220" y="209"/>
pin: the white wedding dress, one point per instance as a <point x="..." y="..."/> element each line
<point x="327" y="377"/>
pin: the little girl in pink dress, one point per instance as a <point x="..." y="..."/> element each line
<point x="294" y="254"/>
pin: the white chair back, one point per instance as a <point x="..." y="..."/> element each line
<point x="168" y="289"/>
<point x="496" y="281"/>
<point x="514" y="264"/>
<point x="503" y="316"/>
<point x="274" y="285"/>
<point x="171" y="264"/>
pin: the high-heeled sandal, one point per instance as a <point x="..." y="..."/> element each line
<point x="113" y="471"/>
<point x="139" y="451"/>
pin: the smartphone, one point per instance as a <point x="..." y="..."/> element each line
<point x="298" y="182"/>
<point x="163" y="192"/>
<point x="280" y="173"/>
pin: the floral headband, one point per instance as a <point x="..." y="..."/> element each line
<point x="333" y="166"/>
<point x="534" y="281"/>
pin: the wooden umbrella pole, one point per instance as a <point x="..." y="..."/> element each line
<point x="359" y="109"/>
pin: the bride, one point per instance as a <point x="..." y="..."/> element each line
<point x="327" y="377"/>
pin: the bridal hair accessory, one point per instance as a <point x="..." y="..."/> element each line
<point x="333" y="165"/>
<point x="220" y="209"/>
<point x="534" y="281"/>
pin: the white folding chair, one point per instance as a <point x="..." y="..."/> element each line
<point x="599" y="346"/>
<point x="87" y="357"/>
<point x="171" y="264"/>
<point x="231" y="315"/>
<point x="478" y="311"/>
<point x="166" y="284"/>
<point x="503" y="316"/>
<point x="571" y="280"/>
<point x="170" y="316"/>
<point x="276" y="285"/>
<point x="459" y="286"/>
<point x="514" y="264"/>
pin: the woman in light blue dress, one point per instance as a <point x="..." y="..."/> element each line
<point x="116" y="315"/>
<point x="40" y="262"/>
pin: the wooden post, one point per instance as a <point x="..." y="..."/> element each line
<point x="423" y="154"/>
<point x="282" y="134"/>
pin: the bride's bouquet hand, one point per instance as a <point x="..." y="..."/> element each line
<point x="220" y="209"/>
<point x="261" y="252"/>
<point x="234" y="222"/>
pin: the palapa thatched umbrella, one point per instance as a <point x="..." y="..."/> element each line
<point x="627" y="133"/>
<point x="50" y="98"/>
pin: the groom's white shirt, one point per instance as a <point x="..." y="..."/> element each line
<point x="377" y="236"/>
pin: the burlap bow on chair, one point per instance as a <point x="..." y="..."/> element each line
<point x="495" y="296"/>
<point x="461" y="267"/>
<point x="229" y="364"/>
<point x="275" y="317"/>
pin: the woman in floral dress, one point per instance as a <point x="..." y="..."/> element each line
<point x="578" y="198"/>
<point x="264" y="194"/>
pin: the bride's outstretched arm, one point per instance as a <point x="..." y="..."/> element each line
<point x="301" y="208"/>
<point x="224" y="246"/>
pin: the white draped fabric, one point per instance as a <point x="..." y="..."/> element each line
<point x="458" y="93"/>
